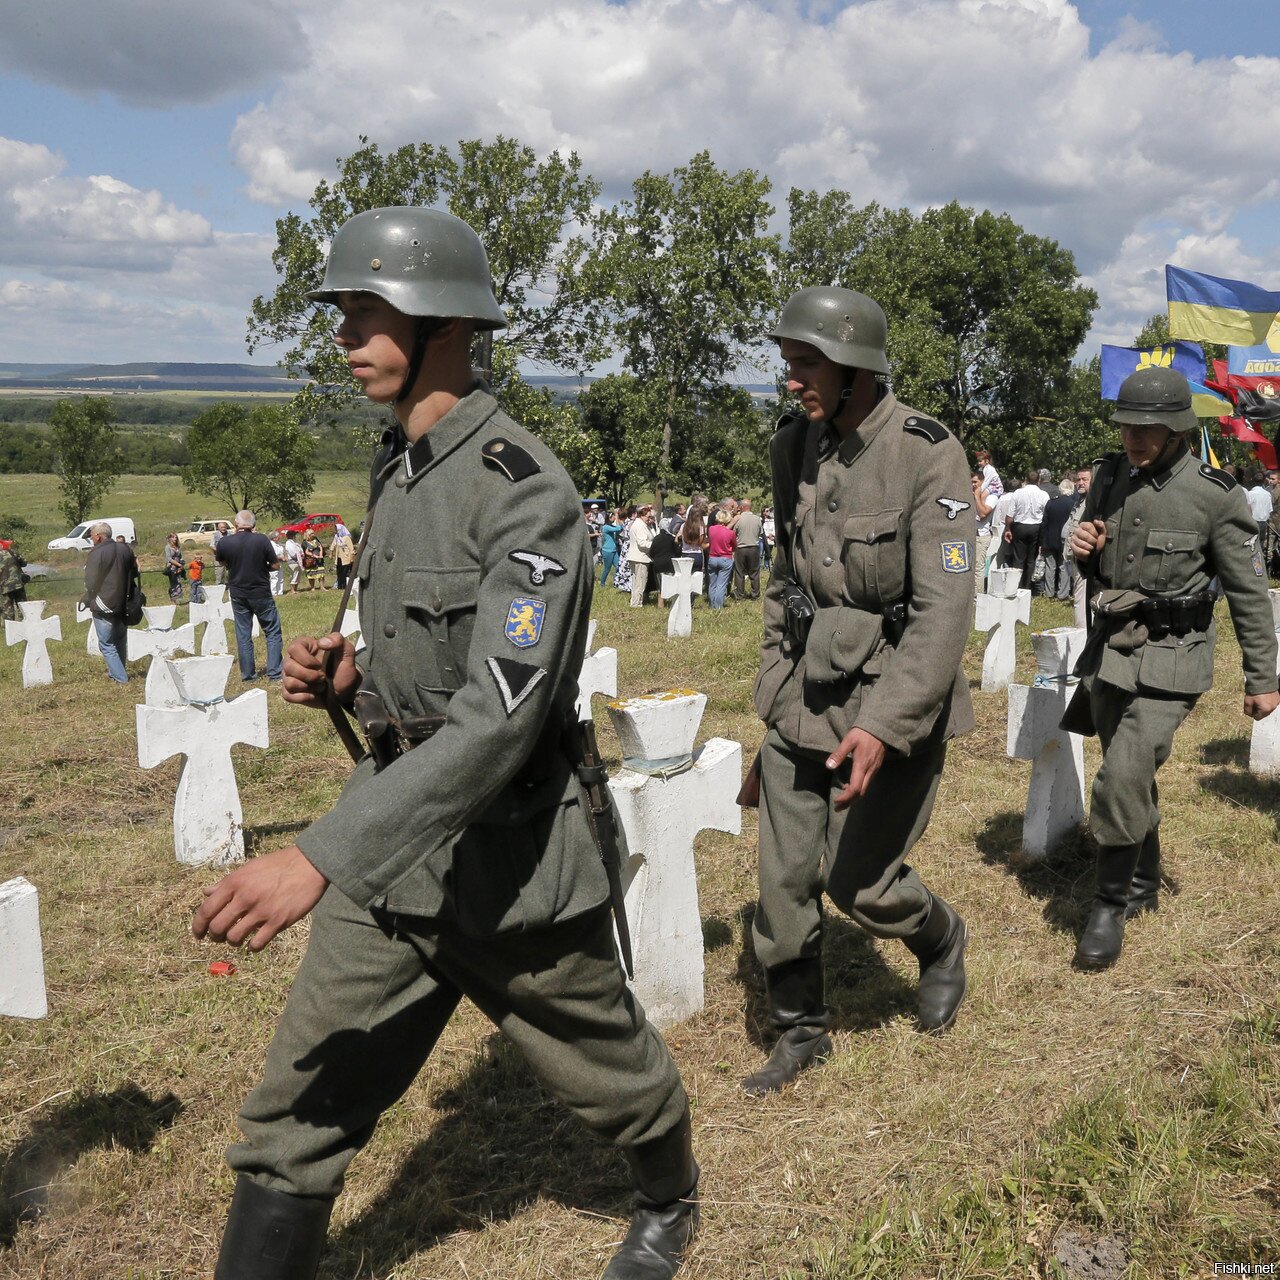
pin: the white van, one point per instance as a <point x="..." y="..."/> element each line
<point x="78" y="538"/>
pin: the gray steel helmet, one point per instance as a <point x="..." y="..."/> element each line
<point x="847" y="327"/>
<point x="1156" y="395"/>
<point x="424" y="262"/>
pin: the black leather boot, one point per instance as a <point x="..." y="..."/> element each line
<point x="1144" y="888"/>
<point x="666" y="1208"/>
<point x="272" y="1235"/>
<point x="939" y="946"/>
<point x="1103" y="936"/>
<point x="798" y="1013"/>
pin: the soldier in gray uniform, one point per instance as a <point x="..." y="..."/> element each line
<point x="1157" y="527"/>
<point x="459" y="859"/>
<point x="866" y="618"/>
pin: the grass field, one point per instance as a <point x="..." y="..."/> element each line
<point x="1133" y="1115"/>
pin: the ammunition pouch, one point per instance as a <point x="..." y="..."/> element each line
<point x="1160" y="615"/>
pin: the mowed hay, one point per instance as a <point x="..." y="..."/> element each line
<point x="1133" y="1112"/>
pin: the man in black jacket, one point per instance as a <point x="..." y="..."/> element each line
<point x="108" y="571"/>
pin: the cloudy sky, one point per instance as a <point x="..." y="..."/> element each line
<point x="146" y="150"/>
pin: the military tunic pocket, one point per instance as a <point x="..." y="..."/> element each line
<point x="874" y="558"/>
<point x="442" y="604"/>
<point x="1177" y="664"/>
<point x="1169" y="560"/>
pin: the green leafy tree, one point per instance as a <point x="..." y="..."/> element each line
<point x="534" y="216"/>
<point x="687" y="265"/>
<point x="256" y="459"/>
<point x="984" y="317"/>
<point x="86" y="453"/>
<point x="621" y="414"/>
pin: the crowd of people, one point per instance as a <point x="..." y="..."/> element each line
<point x="301" y="558"/>
<point x="726" y="540"/>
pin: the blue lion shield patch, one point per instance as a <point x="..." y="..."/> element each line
<point x="524" y="621"/>
<point x="955" y="557"/>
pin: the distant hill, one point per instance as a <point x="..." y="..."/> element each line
<point x="146" y="376"/>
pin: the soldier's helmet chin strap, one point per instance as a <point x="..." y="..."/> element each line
<point x="427" y="327"/>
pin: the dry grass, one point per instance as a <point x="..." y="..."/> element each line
<point x="1142" y="1101"/>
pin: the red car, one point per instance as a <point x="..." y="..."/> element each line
<point x="320" y="524"/>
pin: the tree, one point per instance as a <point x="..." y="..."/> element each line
<point x="256" y="459"/>
<point x="984" y="317"/>
<point x="534" y="217"/>
<point x="86" y="451"/>
<point x="621" y="413"/>
<point x="686" y="264"/>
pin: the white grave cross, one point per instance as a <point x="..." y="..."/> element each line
<point x="215" y="613"/>
<point x="92" y="648"/>
<point x="22" y="993"/>
<point x="665" y="794"/>
<point x="1055" y="798"/>
<point x="1264" y="743"/>
<point x="207" y="818"/>
<point x="158" y="641"/>
<point x="36" y="631"/>
<point x="683" y="585"/>
<point x="599" y="674"/>
<point x="999" y="611"/>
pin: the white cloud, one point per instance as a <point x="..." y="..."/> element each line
<point x="152" y="52"/>
<point x="55" y="221"/>
<point x="997" y="103"/>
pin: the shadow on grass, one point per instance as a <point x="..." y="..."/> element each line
<point x="128" y="1118"/>
<point x="1225" y="751"/>
<point x="498" y="1144"/>
<point x="1063" y="879"/>
<point x="862" y="990"/>
<point x="1246" y="789"/>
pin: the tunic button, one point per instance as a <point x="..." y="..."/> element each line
<point x="1168" y="546"/>
<point x="1128" y="559"/>
<point x="833" y="505"/>
<point x="389" y="630"/>
<point x="389" y="554"/>
<point x="1137" y="521"/>
<point x="402" y="480"/>
<point x="827" y="561"/>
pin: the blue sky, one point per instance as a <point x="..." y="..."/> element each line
<point x="146" y="149"/>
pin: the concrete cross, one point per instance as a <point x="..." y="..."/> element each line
<point x="22" y="993"/>
<point x="159" y="640"/>
<point x="207" y="818"/>
<point x="999" y="611"/>
<point x="215" y="613"/>
<point x="599" y="674"/>
<point x="680" y="587"/>
<point x="1055" y="798"/>
<point x="1264" y="743"/>
<point x="665" y="793"/>
<point x="92" y="648"/>
<point x="35" y="631"/>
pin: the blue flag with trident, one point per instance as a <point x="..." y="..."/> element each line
<point x="1119" y="362"/>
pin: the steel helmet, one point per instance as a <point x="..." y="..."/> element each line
<point x="424" y="262"/>
<point x="1155" y="395"/>
<point x="846" y="326"/>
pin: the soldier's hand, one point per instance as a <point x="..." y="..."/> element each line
<point x="865" y="753"/>
<point x="259" y="900"/>
<point x="1089" y="537"/>
<point x="305" y="665"/>
<point x="1258" y="706"/>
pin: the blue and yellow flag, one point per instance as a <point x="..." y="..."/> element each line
<point x="1119" y="362"/>
<point x="1206" y="449"/>
<point x="1212" y="309"/>
<point x="1206" y="403"/>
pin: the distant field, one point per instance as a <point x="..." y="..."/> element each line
<point x="156" y="504"/>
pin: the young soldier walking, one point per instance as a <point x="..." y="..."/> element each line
<point x="1157" y="527"/>
<point x="866" y="618"/>
<point x="459" y="859"/>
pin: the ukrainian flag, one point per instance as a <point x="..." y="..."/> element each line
<point x="1208" y="404"/>
<point x="1211" y="309"/>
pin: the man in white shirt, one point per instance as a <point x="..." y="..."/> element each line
<point x="293" y="553"/>
<point x="1022" y="526"/>
<point x="1261" y="505"/>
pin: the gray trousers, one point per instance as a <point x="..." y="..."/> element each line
<point x="369" y="1003"/>
<point x="1136" y="731"/>
<point x="858" y="857"/>
<point x="746" y="569"/>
